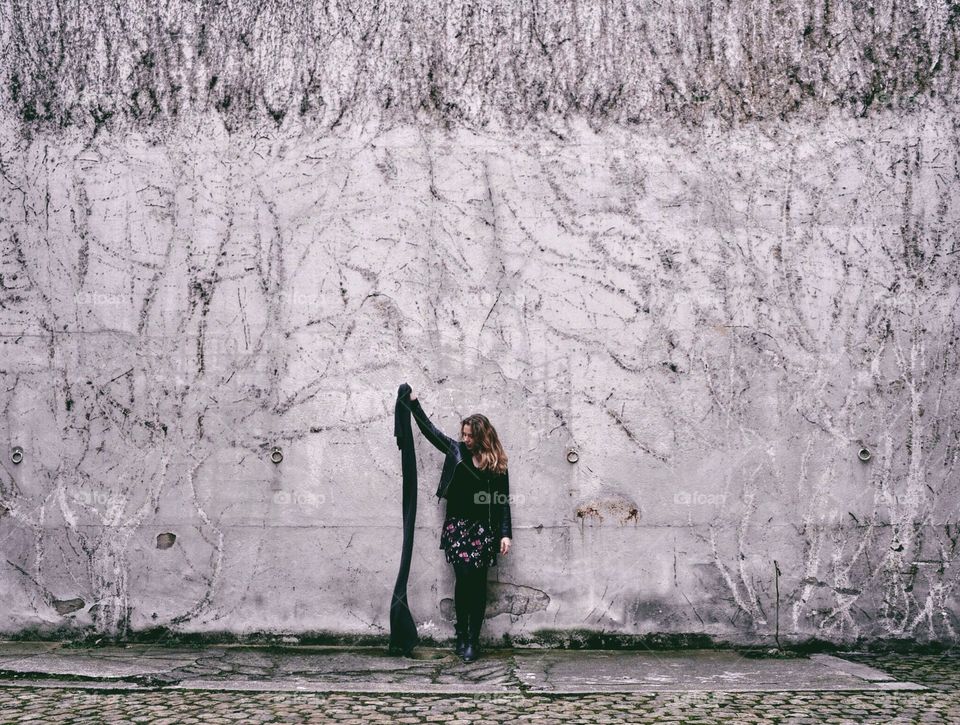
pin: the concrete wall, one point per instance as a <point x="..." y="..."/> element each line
<point x="716" y="316"/>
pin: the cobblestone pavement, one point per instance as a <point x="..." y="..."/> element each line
<point x="193" y="706"/>
<point x="941" y="704"/>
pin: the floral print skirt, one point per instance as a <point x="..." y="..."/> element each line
<point x="466" y="541"/>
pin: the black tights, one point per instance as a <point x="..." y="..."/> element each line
<point x="470" y="597"/>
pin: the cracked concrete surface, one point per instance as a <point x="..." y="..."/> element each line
<point x="370" y="669"/>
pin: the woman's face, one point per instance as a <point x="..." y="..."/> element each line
<point x="467" y="434"/>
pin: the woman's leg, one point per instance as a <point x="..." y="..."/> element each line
<point x="478" y="602"/>
<point x="461" y="598"/>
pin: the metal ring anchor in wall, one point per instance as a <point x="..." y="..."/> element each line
<point x="17" y="454"/>
<point x="864" y="454"/>
<point x="276" y="455"/>
<point x="572" y="456"/>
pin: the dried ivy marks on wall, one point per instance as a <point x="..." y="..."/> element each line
<point x="96" y="62"/>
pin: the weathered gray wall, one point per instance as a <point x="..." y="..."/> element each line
<point x="715" y="309"/>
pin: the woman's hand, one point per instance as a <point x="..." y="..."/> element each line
<point x="505" y="545"/>
<point x="413" y="395"/>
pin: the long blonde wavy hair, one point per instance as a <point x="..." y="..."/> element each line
<point x="491" y="453"/>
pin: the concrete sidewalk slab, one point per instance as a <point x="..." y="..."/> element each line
<point x="714" y="670"/>
<point x="372" y="669"/>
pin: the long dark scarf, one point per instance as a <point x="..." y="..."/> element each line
<point x="403" y="631"/>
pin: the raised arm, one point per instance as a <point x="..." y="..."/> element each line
<point x="433" y="434"/>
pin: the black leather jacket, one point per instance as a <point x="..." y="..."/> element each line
<point x="455" y="451"/>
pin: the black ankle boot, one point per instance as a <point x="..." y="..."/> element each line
<point x="472" y="650"/>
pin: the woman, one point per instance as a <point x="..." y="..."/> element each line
<point x="477" y="526"/>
